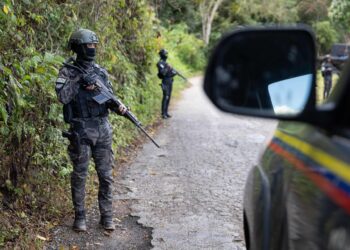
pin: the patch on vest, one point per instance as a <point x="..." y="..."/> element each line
<point x="61" y="80"/>
<point x="59" y="86"/>
<point x="60" y="83"/>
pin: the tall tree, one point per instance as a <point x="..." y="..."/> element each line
<point x="207" y="10"/>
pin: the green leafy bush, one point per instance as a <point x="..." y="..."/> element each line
<point x="185" y="48"/>
<point x="325" y="36"/>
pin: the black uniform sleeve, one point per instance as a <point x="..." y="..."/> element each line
<point x="67" y="86"/>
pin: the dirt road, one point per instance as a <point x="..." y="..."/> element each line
<point x="188" y="194"/>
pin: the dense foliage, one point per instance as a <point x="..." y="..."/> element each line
<point x="34" y="167"/>
<point x="329" y="18"/>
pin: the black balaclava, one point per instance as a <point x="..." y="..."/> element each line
<point x="84" y="53"/>
<point x="163" y="54"/>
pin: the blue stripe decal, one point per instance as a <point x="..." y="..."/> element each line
<point x="321" y="170"/>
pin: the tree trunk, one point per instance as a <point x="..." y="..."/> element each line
<point x="208" y="9"/>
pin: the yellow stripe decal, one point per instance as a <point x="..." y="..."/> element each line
<point x="340" y="168"/>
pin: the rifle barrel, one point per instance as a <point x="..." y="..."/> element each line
<point x="138" y="124"/>
<point x="144" y="131"/>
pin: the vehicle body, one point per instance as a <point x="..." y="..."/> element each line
<point x="340" y="53"/>
<point x="298" y="195"/>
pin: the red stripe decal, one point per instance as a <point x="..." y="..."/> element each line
<point x="337" y="195"/>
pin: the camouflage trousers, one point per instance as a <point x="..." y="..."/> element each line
<point x="94" y="139"/>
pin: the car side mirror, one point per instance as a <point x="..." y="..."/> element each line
<point x="266" y="72"/>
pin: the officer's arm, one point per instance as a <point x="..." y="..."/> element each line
<point x="67" y="86"/>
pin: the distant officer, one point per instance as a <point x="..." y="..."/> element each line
<point x="166" y="73"/>
<point x="90" y="131"/>
<point x="327" y="69"/>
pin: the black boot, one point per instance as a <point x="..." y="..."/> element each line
<point x="79" y="224"/>
<point x="107" y="223"/>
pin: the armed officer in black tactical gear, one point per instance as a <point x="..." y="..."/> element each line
<point x="166" y="73"/>
<point x="90" y="131"/>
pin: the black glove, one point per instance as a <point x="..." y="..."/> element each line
<point x="89" y="78"/>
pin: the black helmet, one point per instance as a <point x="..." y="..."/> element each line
<point x="163" y="54"/>
<point x="82" y="36"/>
<point x="78" y="40"/>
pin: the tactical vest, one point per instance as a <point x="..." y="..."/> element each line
<point x="83" y="105"/>
<point x="164" y="72"/>
<point x="327" y="69"/>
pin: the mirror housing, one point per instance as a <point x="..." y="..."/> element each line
<point x="264" y="72"/>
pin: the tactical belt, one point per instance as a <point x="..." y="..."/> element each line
<point x="81" y="123"/>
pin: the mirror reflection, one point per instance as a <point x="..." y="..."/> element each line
<point x="289" y="96"/>
<point x="265" y="72"/>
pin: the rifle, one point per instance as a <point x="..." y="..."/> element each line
<point x="105" y="95"/>
<point x="179" y="74"/>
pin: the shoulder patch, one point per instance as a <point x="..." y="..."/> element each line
<point x="61" y="80"/>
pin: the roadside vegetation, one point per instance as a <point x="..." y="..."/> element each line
<point x="34" y="166"/>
